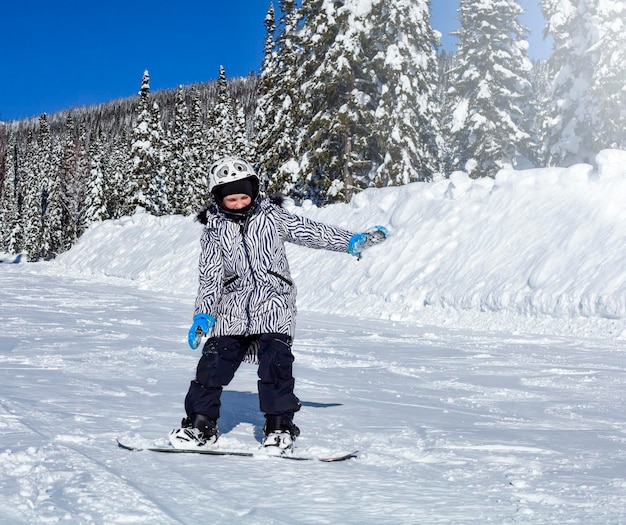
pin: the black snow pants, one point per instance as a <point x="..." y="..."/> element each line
<point x="221" y="357"/>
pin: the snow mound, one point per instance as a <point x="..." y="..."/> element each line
<point x="538" y="242"/>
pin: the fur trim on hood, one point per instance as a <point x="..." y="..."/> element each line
<point x="277" y="199"/>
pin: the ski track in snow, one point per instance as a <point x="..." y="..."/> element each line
<point x="453" y="425"/>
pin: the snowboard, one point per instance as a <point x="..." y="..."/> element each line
<point x="216" y="451"/>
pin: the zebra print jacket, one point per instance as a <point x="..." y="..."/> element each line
<point x="244" y="278"/>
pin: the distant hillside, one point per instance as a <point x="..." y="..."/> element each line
<point x="116" y="116"/>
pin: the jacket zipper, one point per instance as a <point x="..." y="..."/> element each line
<point x="244" y="227"/>
<point x="281" y="277"/>
<point x="230" y="281"/>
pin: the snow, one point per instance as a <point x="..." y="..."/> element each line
<point x="475" y="360"/>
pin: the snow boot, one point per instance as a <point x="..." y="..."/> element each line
<point x="197" y="431"/>
<point x="280" y="433"/>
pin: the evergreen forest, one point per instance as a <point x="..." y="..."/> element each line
<point x="346" y="99"/>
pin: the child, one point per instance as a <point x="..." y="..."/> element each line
<point x="247" y="300"/>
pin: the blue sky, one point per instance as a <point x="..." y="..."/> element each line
<point x="65" y="53"/>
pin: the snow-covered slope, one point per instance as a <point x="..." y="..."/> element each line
<point x="534" y="242"/>
<point x="476" y="360"/>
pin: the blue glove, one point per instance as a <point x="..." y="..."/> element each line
<point x="202" y="324"/>
<point x="359" y="241"/>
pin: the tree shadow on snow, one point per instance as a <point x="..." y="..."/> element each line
<point x="243" y="407"/>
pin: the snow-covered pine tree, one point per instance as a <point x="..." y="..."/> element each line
<point x="119" y="170"/>
<point x="31" y="188"/>
<point x="221" y="121"/>
<point x="72" y="186"/>
<point x="589" y="86"/>
<point x="367" y="74"/>
<point x="327" y="77"/>
<point x="277" y="102"/>
<point x="161" y="182"/>
<point x="565" y="139"/>
<point x="242" y="146"/>
<point x="4" y="145"/>
<point x="179" y="165"/>
<point x="82" y="174"/>
<point x="197" y="189"/>
<point x="541" y="80"/>
<point x="144" y="188"/>
<point x="491" y="116"/>
<point x="11" y="234"/>
<point x="51" y="206"/>
<point x="608" y="85"/>
<point x="402" y="53"/>
<point x="95" y="208"/>
<point x="5" y="203"/>
<point x="265" y="111"/>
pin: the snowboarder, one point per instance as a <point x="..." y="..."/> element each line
<point x="247" y="301"/>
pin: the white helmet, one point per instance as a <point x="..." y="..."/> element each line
<point x="229" y="169"/>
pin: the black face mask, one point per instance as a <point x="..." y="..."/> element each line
<point x="239" y="215"/>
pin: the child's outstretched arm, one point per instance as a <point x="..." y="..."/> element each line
<point x="313" y="234"/>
